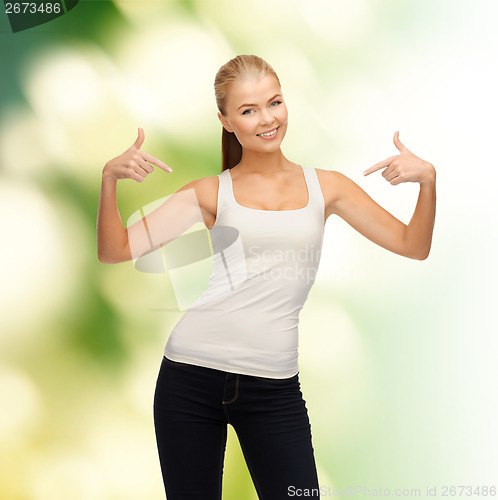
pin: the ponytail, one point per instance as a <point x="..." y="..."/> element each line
<point x="231" y="150"/>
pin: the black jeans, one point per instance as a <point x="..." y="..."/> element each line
<point x="192" y="407"/>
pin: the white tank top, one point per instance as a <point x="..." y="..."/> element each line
<point x="264" y="264"/>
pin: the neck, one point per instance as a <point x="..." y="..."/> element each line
<point x="264" y="163"/>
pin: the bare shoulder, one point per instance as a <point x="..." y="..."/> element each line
<point x="206" y="191"/>
<point x="333" y="185"/>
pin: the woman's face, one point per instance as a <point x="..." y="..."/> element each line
<point x="256" y="106"/>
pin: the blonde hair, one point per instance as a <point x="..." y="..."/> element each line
<point x="238" y="68"/>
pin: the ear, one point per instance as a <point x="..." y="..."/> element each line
<point x="224" y="122"/>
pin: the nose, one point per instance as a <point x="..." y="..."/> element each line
<point x="267" y="117"/>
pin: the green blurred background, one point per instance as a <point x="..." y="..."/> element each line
<point x="397" y="357"/>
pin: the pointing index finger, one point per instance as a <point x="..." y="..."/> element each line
<point x="379" y="165"/>
<point x="155" y="161"/>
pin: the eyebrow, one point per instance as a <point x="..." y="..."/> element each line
<point x="276" y="95"/>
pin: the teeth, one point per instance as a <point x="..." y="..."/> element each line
<point x="269" y="133"/>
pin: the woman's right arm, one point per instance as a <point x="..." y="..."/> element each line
<point x="112" y="237"/>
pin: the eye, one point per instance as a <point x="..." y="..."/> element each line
<point x="276" y="102"/>
<point x="246" y="111"/>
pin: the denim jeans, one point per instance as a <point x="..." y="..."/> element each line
<point x="193" y="406"/>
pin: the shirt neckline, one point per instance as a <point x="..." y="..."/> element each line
<point x="272" y="211"/>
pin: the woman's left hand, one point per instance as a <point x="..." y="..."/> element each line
<point x="405" y="167"/>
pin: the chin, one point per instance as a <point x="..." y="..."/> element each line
<point x="270" y="148"/>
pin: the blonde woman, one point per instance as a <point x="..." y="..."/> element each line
<point x="233" y="356"/>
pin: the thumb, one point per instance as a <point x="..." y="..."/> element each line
<point x="140" y="139"/>
<point x="401" y="147"/>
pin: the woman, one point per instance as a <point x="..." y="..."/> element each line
<point x="232" y="358"/>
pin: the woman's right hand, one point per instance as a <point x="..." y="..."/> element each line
<point x="132" y="164"/>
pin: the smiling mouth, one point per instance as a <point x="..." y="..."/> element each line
<point x="269" y="133"/>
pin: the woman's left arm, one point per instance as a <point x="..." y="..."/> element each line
<point x="352" y="204"/>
